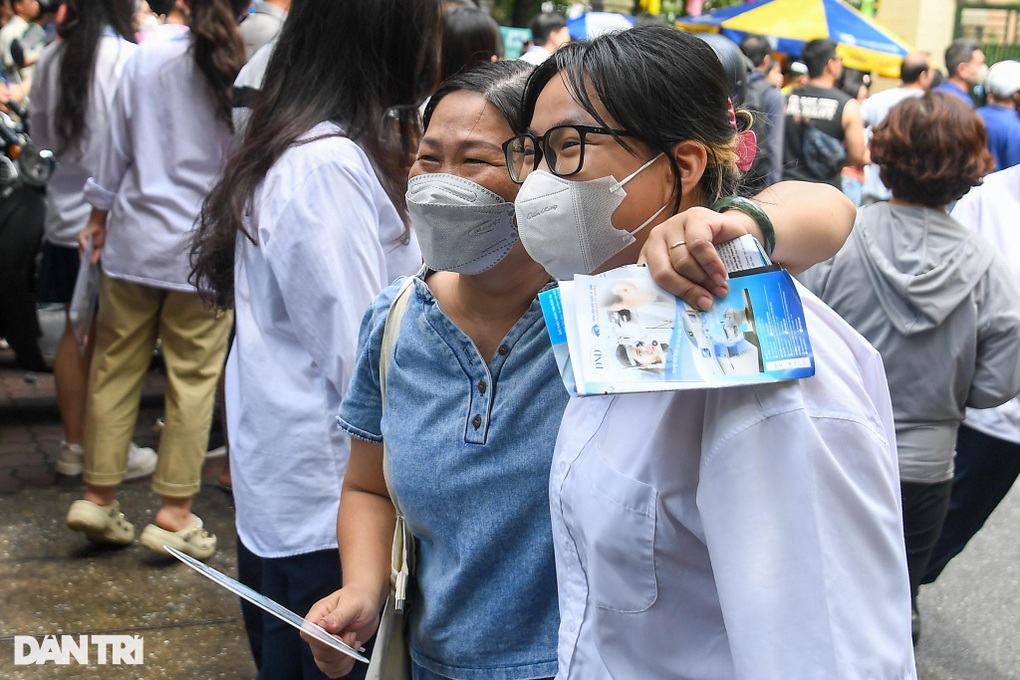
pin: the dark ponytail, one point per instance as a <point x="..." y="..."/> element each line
<point x="80" y="33"/>
<point x="219" y="51"/>
<point x="362" y="64"/>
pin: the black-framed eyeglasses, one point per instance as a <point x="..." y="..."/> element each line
<point x="561" y="146"/>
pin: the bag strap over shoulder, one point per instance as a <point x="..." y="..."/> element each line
<point x="391" y="330"/>
<point x="400" y="555"/>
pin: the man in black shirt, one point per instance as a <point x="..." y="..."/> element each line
<point x="821" y="105"/>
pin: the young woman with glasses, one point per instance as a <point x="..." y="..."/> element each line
<point x="473" y="397"/>
<point x="742" y="532"/>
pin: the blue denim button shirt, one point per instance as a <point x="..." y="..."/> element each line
<point x="470" y="444"/>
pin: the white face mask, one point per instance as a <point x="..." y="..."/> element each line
<point x="567" y="227"/>
<point x="461" y="226"/>
<point x="980" y="74"/>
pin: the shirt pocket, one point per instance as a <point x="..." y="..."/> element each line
<point x="616" y="515"/>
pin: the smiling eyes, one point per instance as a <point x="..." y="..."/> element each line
<point x="495" y="161"/>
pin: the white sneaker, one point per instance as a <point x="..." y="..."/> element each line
<point x="69" y="462"/>
<point x="141" y="460"/>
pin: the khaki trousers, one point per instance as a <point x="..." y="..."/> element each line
<point x="130" y="318"/>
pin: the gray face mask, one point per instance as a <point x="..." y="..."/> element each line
<point x="461" y="226"/>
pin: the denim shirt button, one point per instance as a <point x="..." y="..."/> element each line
<point x="503" y="350"/>
<point x="477" y="422"/>
<point x="481" y="386"/>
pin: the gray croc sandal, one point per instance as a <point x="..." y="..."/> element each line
<point x="101" y="523"/>
<point x="193" y="540"/>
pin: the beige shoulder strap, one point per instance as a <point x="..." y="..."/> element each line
<point x="402" y="549"/>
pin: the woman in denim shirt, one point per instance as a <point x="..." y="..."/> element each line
<point x="474" y="400"/>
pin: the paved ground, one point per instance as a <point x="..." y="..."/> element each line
<point x="52" y="581"/>
<point x="971" y="615"/>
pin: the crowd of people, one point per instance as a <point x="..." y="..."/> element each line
<point x="344" y="240"/>
<point x="837" y="102"/>
<point x="919" y="278"/>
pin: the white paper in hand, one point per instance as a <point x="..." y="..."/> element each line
<point x="274" y="608"/>
<point x="82" y="309"/>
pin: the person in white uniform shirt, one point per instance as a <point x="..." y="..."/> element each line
<point x="164" y="147"/>
<point x="987" y="460"/>
<point x="745" y="532"/>
<point x="306" y="227"/>
<point x="75" y="81"/>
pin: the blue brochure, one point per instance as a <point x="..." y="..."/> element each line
<point x="620" y="332"/>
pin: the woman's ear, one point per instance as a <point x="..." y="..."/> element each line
<point x="692" y="159"/>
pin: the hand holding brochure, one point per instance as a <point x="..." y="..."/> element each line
<point x="274" y="608"/>
<point x="619" y="332"/>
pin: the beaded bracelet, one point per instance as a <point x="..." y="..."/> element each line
<point x="752" y="210"/>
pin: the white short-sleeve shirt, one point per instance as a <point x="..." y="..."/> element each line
<point x="749" y="532"/>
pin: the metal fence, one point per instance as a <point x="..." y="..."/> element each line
<point x="995" y="25"/>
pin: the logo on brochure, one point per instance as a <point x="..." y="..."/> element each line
<point x="596" y="331"/>
<point x="84" y="650"/>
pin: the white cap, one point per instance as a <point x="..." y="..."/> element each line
<point x="1003" y="79"/>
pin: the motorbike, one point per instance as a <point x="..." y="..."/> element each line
<point x="24" y="171"/>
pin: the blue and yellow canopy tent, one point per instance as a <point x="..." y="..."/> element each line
<point x="862" y="43"/>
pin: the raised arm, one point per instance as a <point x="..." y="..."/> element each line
<point x="811" y="221"/>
